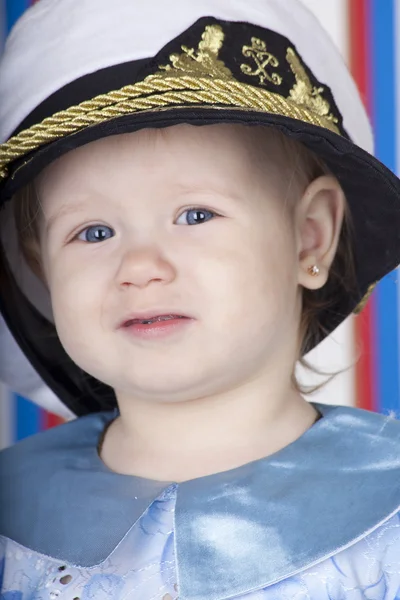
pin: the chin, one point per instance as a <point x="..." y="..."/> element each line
<point x="162" y="387"/>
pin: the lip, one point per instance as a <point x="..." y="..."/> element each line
<point x="144" y="316"/>
<point x="158" y="330"/>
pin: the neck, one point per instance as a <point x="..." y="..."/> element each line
<point x="185" y="440"/>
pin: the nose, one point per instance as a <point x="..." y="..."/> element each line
<point x="139" y="268"/>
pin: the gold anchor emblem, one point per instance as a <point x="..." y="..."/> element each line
<point x="263" y="59"/>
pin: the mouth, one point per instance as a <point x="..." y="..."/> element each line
<point x="148" y="320"/>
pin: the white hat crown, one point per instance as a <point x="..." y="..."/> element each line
<point x="96" y="34"/>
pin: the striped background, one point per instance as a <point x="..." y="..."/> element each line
<point x="368" y="34"/>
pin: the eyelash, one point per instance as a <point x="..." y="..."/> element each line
<point x="187" y="210"/>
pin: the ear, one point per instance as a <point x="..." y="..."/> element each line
<point x="319" y="218"/>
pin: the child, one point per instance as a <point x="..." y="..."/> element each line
<point x="187" y="184"/>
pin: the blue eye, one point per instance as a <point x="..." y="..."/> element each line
<point x="197" y="216"/>
<point x="95" y="233"/>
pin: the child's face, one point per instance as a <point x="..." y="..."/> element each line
<point x="236" y="273"/>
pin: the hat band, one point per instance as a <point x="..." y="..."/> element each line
<point x="155" y="93"/>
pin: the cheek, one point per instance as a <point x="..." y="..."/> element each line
<point x="251" y="267"/>
<point x="77" y="300"/>
<point x="76" y="291"/>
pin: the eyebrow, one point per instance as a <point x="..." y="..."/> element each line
<point x="66" y="209"/>
<point x="200" y="189"/>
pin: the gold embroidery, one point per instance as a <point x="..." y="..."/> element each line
<point x="303" y="92"/>
<point x="263" y="59"/>
<point x="361" y="305"/>
<point x="204" y="62"/>
<point x="176" y="86"/>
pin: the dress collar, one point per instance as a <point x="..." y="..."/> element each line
<point x="237" y="531"/>
<point x="254" y="526"/>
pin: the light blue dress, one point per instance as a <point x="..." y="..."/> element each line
<point x="318" y="520"/>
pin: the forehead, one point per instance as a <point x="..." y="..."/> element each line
<point x="183" y="154"/>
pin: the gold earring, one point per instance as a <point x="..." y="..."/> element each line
<point x="313" y="270"/>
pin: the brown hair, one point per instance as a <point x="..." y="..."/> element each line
<point x="27" y="214"/>
<point x="305" y="167"/>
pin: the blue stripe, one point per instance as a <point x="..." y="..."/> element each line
<point x="384" y="117"/>
<point x="27" y="416"/>
<point x="14" y="9"/>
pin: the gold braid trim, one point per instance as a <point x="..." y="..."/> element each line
<point x="151" y="94"/>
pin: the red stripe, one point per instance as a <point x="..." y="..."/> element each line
<point x="50" y="420"/>
<point x="360" y="46"/>
<point x="360" y="64"/>
<point x="366" y="396"/>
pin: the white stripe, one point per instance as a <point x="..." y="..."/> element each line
<point x="6" y="418"/>
<point x="336" y="354"/>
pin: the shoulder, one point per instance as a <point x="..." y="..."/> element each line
<point x="30" y="467"/>
<point x="45" y="449"/>
<point x="58" y="499"/>
<point x="359" y="441"/>
<point x="350" y="418"/>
